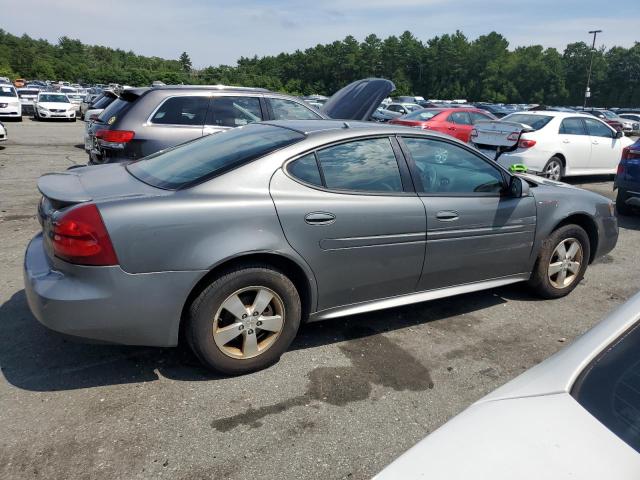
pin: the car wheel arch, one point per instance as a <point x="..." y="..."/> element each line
<point x="299" y="275"/>
<point x="587" y="223"/>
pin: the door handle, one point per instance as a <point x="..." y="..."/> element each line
<point x="595" y="143"/>
<point x="565" y="141"/>
<point x="447" y="215"/>
<point x="320" y="218"/>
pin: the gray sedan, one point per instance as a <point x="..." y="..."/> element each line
<point x="236" y="238"/>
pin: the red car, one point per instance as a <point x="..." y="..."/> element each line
<point x="457" y="122"/>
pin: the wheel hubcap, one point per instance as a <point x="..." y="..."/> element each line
<point x="248" y="322"/>
<point x="553" y="171"/>
<point x="565" y="263"/>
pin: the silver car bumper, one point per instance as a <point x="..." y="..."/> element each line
<point x="105" y="304"/>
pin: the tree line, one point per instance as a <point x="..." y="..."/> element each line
<point x="449" y="66"/>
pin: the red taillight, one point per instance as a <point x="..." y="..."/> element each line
<point x="115" y="136"/>
<point x="81" y="237"/>
<point x="524" y="143"/>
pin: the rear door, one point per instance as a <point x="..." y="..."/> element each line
<point x="230" y="111"/>
<point x="474" y="231"/>
<point x="350" y="211"/>
<point x="606" y="149"/>
<point x="575" y="142"/>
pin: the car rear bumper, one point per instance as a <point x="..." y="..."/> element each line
<point x="105" y="304"/>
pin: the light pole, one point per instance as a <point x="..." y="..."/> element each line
<point x="587" y="92"/>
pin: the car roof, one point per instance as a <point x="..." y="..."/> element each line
<point x="551" y="113"/>
<point x="207" y="87"/>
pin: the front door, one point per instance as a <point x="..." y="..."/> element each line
<point x="575" y="143"/>
<point x="459" y="125"/>
<point x="474" y="231"/>
<point x="350" y="212"/>
<point x="606" y="149"/>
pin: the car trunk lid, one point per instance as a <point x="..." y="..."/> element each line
<point x="358" y="100"/>
<point x="494" y="137"/>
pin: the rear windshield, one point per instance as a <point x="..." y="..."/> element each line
<point x="103" y="102"/>
<point x="422" y="114"/>
<point x="113" y="110"/>
<point x="534" y="121"/>
<point x="609" y="388"/>
<point x="207" y="157"/>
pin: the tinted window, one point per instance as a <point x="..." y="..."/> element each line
<point x="114" y="110"/>
<point x="395" y="108"/>
<point x="598" y="129"/>
<point x="479" y="117"/>
<point x="103" y="102"/>
<point x="53" y="97"/>
<point x="461" y="118"/>
<point x="445" y="168"/>
<point x="534" y="121"/>
<point x="306" y="169"/>
<point x="609" y="388"/>
<point x="365" y="165"/>
<point x="234" y="111"/>
<point x="182" y="111"/>
<point x="572" y="126"/>
<point x="211" y="155"/>
<point x="289" y="110"/>
<point x="422" y="115"/>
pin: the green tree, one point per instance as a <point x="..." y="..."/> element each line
<point x="185" y="62"/>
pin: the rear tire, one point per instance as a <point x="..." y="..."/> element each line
<point x="554" y="169"/>
<point x="621" y="206"/>
<point x="558" y="269"/>
<point x="232" y="344"/>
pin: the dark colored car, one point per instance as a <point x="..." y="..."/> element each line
<point x="606" y="116"/>
<point x="457" y="122"/>
<point x="497" y="111"/>
<point x="628" y="180"/>
<point x="144" y="121"/>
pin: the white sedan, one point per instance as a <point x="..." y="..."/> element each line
<point x="54" y="105"/>
<point x="553" y="144"/>
<point x="574" y="416"/>
<point x="10" y="106"/>
<point x="3" y="132"/>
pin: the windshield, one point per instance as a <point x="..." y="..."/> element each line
<point x="53" y="97"/>
<point x="7" y="92"/>
<point x="212" y="155"/>
<point x="422" y="114"/>
<point x="534" y="121"/>
<point x="609" y="387"/>
<point x="608" y="114"/>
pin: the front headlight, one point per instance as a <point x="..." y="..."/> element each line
<point x="40" y="107"/>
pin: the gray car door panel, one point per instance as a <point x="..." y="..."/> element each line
<point x="373" y="248"/>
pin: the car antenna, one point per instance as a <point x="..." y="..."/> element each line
<point x="346" y="125"/>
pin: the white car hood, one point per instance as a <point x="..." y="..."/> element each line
<point x="10" y="100"/>
<point x="56" y="105"/>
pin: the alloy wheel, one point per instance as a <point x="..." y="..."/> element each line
<point x="248" y="322"/>
<point x="565" y="263"/>
<point x="553" y="170"/>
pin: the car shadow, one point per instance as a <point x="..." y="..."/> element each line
<point x="630" y="222"/>
<point x="580" y="180"/>
<point x="36" y="359"/>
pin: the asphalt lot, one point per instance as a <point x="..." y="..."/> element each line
<point x="349" y="397"/>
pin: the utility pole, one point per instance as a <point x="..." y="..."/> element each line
<point x="587" y="92"/>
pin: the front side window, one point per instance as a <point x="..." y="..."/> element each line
<point x="444" y="168"/>
<point x="284" y="109"/>
<point x="182" y="111"/>
<point x="234" y="111"/>
<point x="597" y="128"/>
<point x="364" y="165"/>
<point x="572" y="126"/>
<point x="209" y="156"/>
<point x="461" y="118"/>
<point x="609" y="388"/>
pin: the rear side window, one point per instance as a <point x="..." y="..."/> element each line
<point x="597" y="128"/>
<point x="572" y="126"/>
<point x="182" y="111"/>
<point x="365" y="165"/>
<point x="234" y="111"/>
<point x="536" y="122"/>
<point x="461" y="118"/>
<point x="289" y="110"/>
<point x="306" y="169"/>
<point x="609" y="388"/>
<point x="209" y="156"/>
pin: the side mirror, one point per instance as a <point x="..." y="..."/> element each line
<point x="518" y="188"/>
<point x="619" y="134"/>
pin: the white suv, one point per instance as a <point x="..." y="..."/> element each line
<point x="10" y="106"/>
<point x="553" y="144"/>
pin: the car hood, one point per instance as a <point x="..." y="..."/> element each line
<point x="54" y="105"/>
<point x="358" y="100"/>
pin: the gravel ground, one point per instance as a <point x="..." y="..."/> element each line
<point x="349" y="397"/>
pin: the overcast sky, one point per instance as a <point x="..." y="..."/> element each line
<point x="215" y="32"/>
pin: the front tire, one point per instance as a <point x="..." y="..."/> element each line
<point x="562" y="262"/>
<point x="244" y="320"/>
<point x="554" y="169"/>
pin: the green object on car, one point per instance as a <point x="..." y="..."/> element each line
<point x="518" y="168"/>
